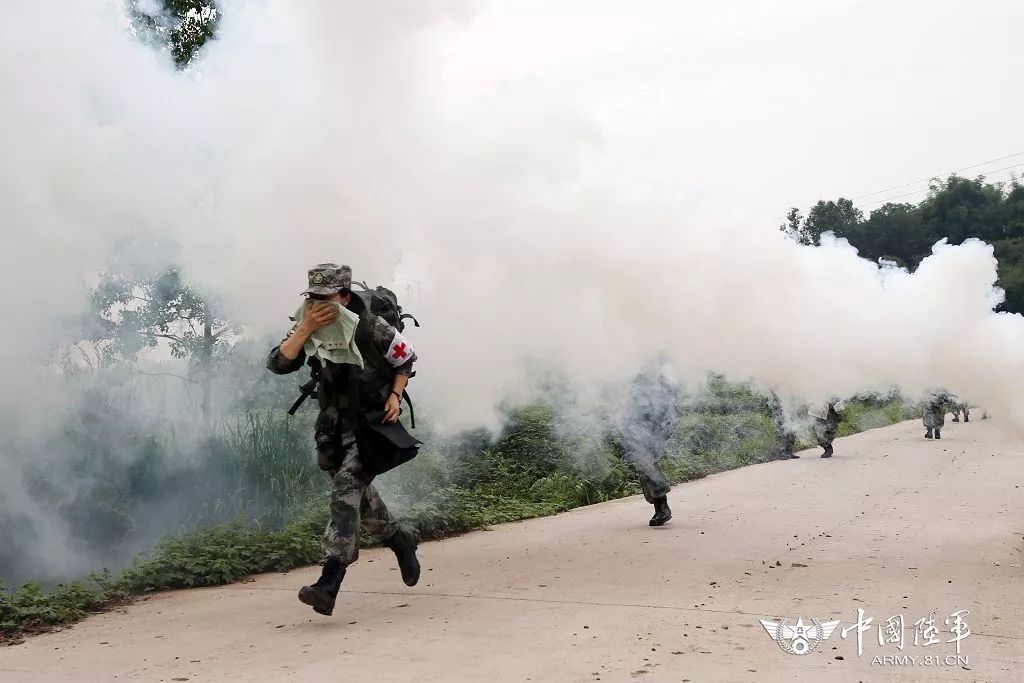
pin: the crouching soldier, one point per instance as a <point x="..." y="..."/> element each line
<point x="363" y="364"/>
<point x="785" y="437"/>
<point x="826" y="425"/>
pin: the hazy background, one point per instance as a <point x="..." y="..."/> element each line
<point x="570" y="186"/>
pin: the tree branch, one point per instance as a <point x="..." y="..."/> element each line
<point x="172" y="337"/>
<point x="166" y="374"/>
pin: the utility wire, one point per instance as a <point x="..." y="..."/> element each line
<point x="947" y="174"/>
<point x="925" y="189"/>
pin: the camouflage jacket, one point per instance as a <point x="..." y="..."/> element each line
<point x="347" y="387"/>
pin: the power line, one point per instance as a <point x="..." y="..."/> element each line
<point x="948" y="173"/>
<point x="925" y="189"/>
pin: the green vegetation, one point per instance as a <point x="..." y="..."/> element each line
<point x="956" y="209"/>
<point x="178" y="27"/>
<point x="468" y="482"/>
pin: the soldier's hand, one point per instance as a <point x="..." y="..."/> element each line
<point x="392" y="407"/>
<point x="319" y="314"/>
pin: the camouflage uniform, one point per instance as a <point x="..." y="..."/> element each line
<point x="785" y="438"/>
<point x="345" y="392"/>
<point x="958" y="407"/>
<point x="934" y="416"/>
<point x="648" y="427"/>
<point x="826" y="428"/>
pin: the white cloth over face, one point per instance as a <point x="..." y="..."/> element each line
<point x="820" y="411"/>
<point x="335" y="342"/>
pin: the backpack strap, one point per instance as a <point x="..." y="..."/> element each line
<point x="412" y="412"/>
<point x="309" y="388"/>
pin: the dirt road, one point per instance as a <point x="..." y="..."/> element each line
<point x="893" y="525"/>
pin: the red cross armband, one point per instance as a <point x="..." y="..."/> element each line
<point x="400" y="350"/>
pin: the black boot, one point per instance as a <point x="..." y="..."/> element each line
<point x="928" y="434"/>
<point x="828" y="451"/>
<point x="322" y="594"/>
<point x="662" y="512"/>
<point x="403" y="542"/>
<point x="956" y="418"/>
<point x="967" y="418"/>
<point x="938" y="434"/>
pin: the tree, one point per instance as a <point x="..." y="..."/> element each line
<point x="840" y="217"/>
<point x="136" y="310"/>
<point x="1015" y="211"/>
<point x="893" y="232"/>
<point x="792" y="226"/>
<point x="1010" y="254"/>
<point x="956" y="209"/>
<point x="181" y="27"/>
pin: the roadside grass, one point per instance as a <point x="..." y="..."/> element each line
<point x="475" y="480"/>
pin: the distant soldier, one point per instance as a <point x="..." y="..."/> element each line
<point x="647" y="427"/>
<point x="826" y="424"/>
<point x="785" y="437"/>
<point x="960" y="406"/>
<point x="935" y="415"/>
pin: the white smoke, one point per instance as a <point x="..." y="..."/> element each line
<point x="314" y="131"/>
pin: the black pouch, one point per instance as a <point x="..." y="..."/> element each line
<point x="383" y="446"/>
<point x="328" y="441"/>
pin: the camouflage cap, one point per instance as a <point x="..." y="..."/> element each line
<point x="329" y="278"/>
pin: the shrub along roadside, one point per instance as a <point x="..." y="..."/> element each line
<point x="520" y="476"/>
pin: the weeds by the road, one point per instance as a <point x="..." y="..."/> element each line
<point x="529" y="470"/>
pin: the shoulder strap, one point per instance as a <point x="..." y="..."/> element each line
<point x="364" y="340"/>
<point x="412" y="412"/>
<point x="309" y="388"/>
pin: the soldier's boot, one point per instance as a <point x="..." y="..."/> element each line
<point x="322" y="594"/>
<point x="928" y="434"/>
<point x="938" y="434"/>
<point x="403" y="543"/>
<point x="967" y="418"/>
<point x="828" y="451"/>
<point x="956" y="418"/>
<point x="662" y="512"/>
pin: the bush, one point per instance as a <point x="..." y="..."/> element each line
<point x="475" y="480"/>
<point x="864" y="414"/>
<point x="30" y="609"/>
<point x="221" y="554"/>
<point x="706" y="443"/>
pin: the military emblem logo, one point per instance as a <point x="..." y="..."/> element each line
<point x="318" y="279"/>
<point x="799" y="638"/>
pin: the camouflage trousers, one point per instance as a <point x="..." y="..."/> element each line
<point x="785" y="442"/>
<point x="652" y="480"/>
<point x="934" y="417"/>
<point x="825" y="432"/>
<point x="354" y="501"/>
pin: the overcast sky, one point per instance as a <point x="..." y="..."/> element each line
<point x="742" y="109"/>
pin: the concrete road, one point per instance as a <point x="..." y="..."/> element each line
<point x="893" y="525"/>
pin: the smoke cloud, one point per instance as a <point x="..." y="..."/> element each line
<point x="316" y="131"/>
